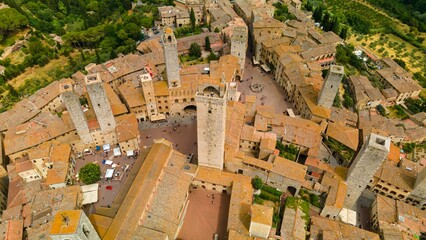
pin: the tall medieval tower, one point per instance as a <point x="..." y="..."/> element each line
<point x="171" y="58"/>
<point x="72" y="103"/>
<point x="368" y="160"/>
<point x="100" y="102"/>
<point x="330" y="87"/>
<point x="148" y="94"/>
<point x="211" y="117"/>
<point x="419" y="190"/>
<point x="239" y="44"/>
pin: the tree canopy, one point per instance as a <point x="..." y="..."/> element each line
<point x="90" y="173"/>
<point x="195" y="50"/>
<point x="11" y="20"/>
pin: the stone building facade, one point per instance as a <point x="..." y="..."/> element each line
<point x="367" y="162"/>
<point x="211" y="118"/>
<point x="72" y="103"/>
<point x="331" y="86"/>
<point x="239" y="42"/>
<point x="100" y="102"/>
<point x="171" y="58"/>
<point x="148" y="94"/>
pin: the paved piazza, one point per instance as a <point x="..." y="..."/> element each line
<point x="206" y="215"/>
<point x="271" y="94"/>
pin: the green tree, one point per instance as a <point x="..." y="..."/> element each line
<point x="343" y="32"/>
<point x="207" y="47"/>
<point x="408" y="147"/>
<point x="212" y="56"/>
<point x="400" y="62"/>
<point x="317" y="14"/>
<point x="326" y="22"/>
<point x="195" y="50"/>
<point x="257" y="183"/>
<point x="192" y="19"/>
<point x="11" y="20"/>
<point x="90" y="173"/>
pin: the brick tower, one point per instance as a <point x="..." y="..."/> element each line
<point x="239" y="44"/>
<point x="368" y="160"/>
<point x="331" y="86"/>
<point x="171" y="58"/>
<point x="101" y="106"/>
<point x="72" y="103"/>
<point x="211" y="117"/>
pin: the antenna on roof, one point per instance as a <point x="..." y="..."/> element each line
<point x="65" y="219"/>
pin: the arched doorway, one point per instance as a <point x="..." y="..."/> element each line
<point x="190" y="109"/>
<point x="291" y="190"/>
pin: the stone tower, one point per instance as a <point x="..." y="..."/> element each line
<point x="211" y="117"/>
<point x="100" y="103"/>
<point x="171" y="58"/>
<point x="148" y="94"/>
<point x="419" y="190"/>
<point x="239" y="44"/>
<point x="72" y="103"/>
<point x="330" y="87"/>
<point x="368" y="160"/>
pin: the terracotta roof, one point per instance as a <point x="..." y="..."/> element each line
<point x="298" y="131"/>
<point x="261" y="214"/>
<point x="345" y="135"/>
<point x="314" y="162"/>
<point x="239" y="206"/>
<point x="394" y="154"/>
<point x="268" y="141"/>
<point x="336" y="190"/>
<point x="117" y="106"/>
<point x="28" y="108"/>
<point x="234" y="122"/>
<point x="289" y="169"/>
<point x="257" y="162"/>
<point x="218" y="177"/>
<point x="13" y="229"/>
<point x="131" y="95"/>
<point x="127" y="127"/>
<point x="45" y="127"/>
<point x="160" y="88"/>
<point x="322" y="226"/>
<point x="311" y="96"/>
<point x="249" y="133"/>
<point x="398" y="78"/>
<point x="155" y="210"/>
<point x="396" y="176"/>
<point x="66" y="222"/>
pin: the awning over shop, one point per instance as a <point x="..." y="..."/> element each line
<point x="107" y="162"/>
<point x="266" y="68"/>
<point x="109" y="173"/>
<point x="106" y="147"/>
<point x="117" y="152"/>
<point x="90" y="193"/>
<point x="157" y="117"/>
<point x="130" y="153"/>
<point x="255" y="62"/>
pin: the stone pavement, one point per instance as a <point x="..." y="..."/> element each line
<point x="272" y="94"/>
<point x="181" y="131"/>
<point x="212" y="219"/>
<point x="107" y="196"/>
